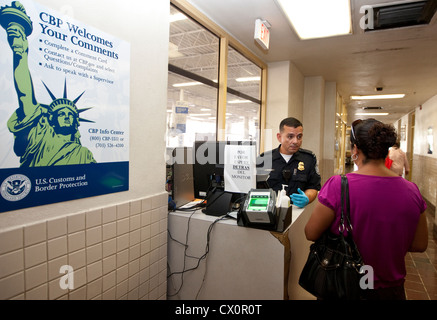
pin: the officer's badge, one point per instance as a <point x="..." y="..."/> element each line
<point x="301" y="166"/>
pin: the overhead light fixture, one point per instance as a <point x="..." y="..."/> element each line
<point x="186" y="84"/>
<point x="318" y="18"/>
<point x="173" y="51"/>
<point x="199" y="114"/>
<point x="246" y="79"/>
<point x="379" y="96"/>
<point x="177" y="17"/>
<point x="372" y="114"/>
<point x="239" y="101"/>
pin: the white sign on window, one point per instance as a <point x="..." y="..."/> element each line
<point x="240" y="168"/>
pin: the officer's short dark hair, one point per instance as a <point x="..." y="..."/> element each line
<point x="289" y="122"/>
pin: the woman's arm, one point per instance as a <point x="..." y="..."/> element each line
<point x="321" y="219"/>
<point x="420" y="241"/>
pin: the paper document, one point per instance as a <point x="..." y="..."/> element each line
<point x="240" y="168"/>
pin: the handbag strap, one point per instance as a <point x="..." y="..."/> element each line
<point x="345" y="208"/>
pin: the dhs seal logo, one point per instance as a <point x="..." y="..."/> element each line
<point x="15" y="187"/>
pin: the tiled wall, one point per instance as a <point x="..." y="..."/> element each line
<point x="116" y="252"/>
<point x="424" y="174"/>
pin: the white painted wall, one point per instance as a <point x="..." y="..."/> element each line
<point x="314" y="115"/>
<point x="285" y="88"/>
<point x="425" y="117"/>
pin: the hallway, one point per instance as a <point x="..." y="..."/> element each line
<point x="421" y="280"/>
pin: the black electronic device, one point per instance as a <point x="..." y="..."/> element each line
<point x="205" y="156"/>
<point x="259" y="210"/>
<point x="182" y="176"/>
<point x="218" y="203"/>
<point x="208" y="166"/>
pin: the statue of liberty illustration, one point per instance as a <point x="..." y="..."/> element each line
<point x="45" y="135"/>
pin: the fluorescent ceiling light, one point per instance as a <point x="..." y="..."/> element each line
<point x="379" y="96"/>
<point x="173" y="51"/>
<point x="195" y="118"/>
<point x="246" y="79"/>
<point x="186" y="84"/>
<point x="177" y="17"/>
<point x="372" y="114"/>
<point x="318" y="18"/>
<point x="239" y="101"/>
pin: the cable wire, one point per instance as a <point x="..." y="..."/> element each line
<point x="199" y="259"/>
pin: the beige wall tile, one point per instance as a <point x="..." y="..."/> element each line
<point x="76" y="222"/>
<point x="108" y="249"/>
<point x="35" y="233"/>
<point x="35" y="254"/>
<point x="11" y="262"/>
<point x="11" y="240"/>
<point x="36" y="276"/>
<point x="12" y="285"/>
<point x="56" y="227"/>
<point x="57" y="247"/>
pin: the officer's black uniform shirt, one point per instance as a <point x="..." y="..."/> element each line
<point x="301" y="170"/>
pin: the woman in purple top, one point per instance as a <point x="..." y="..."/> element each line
<point x="387" y="211"/>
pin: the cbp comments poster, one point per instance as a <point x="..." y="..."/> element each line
<point x="64" y="108"/>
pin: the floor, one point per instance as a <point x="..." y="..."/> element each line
<point x="421" y="280"/>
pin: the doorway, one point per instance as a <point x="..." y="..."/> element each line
<point x="410" y="144"/>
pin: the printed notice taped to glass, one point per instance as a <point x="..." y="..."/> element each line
<point x="240" y="168"/>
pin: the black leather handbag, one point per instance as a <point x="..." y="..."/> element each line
<point x="332" y="270"/>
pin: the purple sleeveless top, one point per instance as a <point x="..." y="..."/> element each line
<point x="384" y="215"/>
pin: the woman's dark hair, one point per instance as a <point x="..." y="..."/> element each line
<point x="289" y="122"/>
<point x="373" y="138"/>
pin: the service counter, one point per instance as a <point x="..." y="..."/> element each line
<point x="224" y="261"/>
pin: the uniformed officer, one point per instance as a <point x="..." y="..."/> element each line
<point x="292" y="166"/>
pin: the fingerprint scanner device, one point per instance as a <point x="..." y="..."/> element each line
<point x="258" y="210"/>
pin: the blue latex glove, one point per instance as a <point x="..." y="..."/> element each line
<point x="299" y="199"/>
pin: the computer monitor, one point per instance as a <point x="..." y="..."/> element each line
<point x="209" y="163"/>
<point x="208" y="176"/>
<point x="206" y="172"/>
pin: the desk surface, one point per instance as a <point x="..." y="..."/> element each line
<point x="198" y="214"/>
